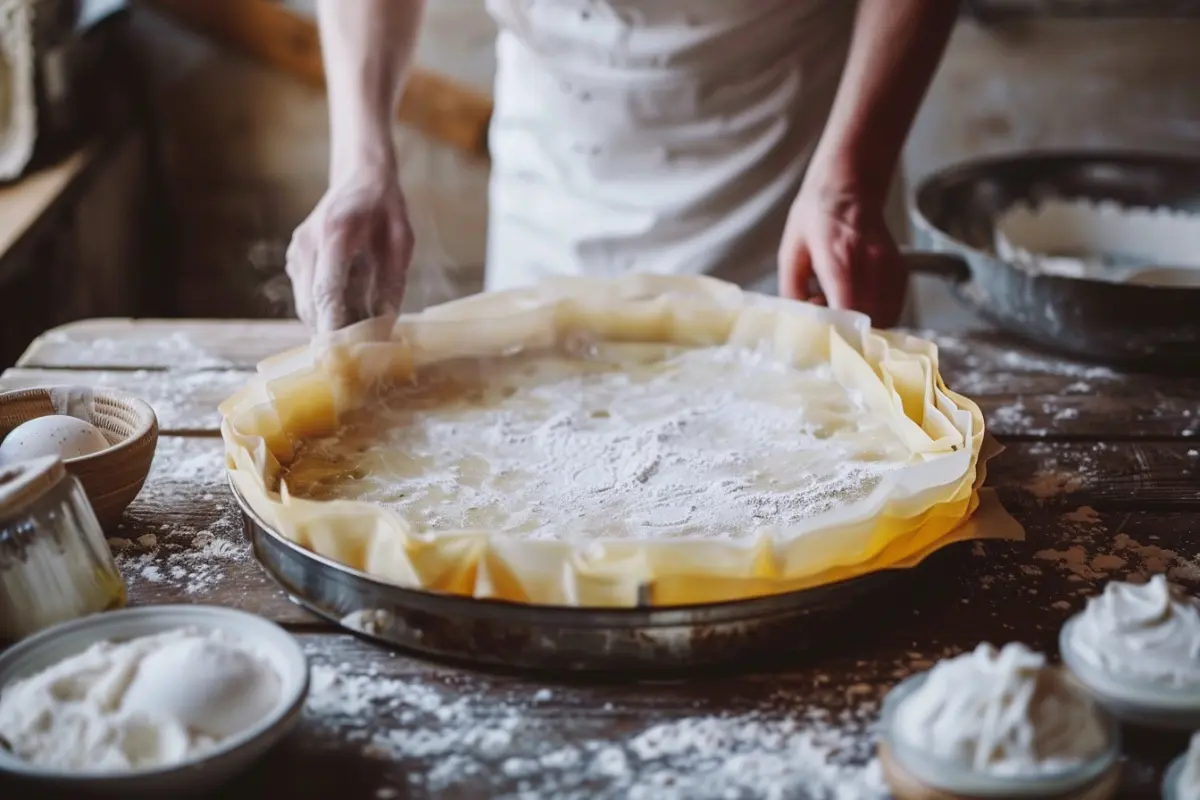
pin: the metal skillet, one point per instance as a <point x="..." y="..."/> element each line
<point x="1137" y="327"/>
<point x="644" y="640"/>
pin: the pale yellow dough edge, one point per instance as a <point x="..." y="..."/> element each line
<point x="913" y="512"/>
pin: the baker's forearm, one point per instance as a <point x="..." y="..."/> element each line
<point x="894" y="53"/>
<point x="367" y="47"/>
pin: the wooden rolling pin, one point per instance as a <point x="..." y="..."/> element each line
<point x="269" y="33"/>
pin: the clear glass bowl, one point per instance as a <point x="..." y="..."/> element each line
<point x="1137" y="702"/>
<point x="954" y="778"/>
<point x="55" y="564"/>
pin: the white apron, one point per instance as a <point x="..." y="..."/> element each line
<point x="665" y="136"/>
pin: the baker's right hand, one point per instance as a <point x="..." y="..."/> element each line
<point x="348" y="261"/>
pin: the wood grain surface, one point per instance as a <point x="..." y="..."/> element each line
<point x="1024" y="394"/>
<point x="1102" y="469"/>
<point x="162" y="344"/>
<point x="184" y="401"/>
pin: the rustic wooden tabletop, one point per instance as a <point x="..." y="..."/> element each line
<point x="1102" y="469"/>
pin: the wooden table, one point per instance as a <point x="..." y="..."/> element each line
<point x="1102" y="469"/>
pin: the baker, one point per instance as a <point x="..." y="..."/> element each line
<point x="751" y="140"/>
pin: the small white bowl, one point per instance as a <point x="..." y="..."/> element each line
<point x="1170" y="784"/>
<point x="223" y="762"/>
<point x="952" y="778"/>
<point x="1138" y="703"/>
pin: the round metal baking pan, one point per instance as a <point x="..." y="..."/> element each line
<point x="1126" y="325"/>
<point x="565" y="638"/>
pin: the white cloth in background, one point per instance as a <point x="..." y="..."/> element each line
<point x="665" y="136"/>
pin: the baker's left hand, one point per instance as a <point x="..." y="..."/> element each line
<point x="839" y="237"/>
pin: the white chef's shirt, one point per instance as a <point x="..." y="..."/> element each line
<point x="665" y="136"/>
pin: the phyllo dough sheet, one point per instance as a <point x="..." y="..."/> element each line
<point x="572" y="443"/>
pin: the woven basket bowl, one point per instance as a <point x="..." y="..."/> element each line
<point x="112" y="477"/>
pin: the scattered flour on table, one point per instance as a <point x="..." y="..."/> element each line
<point x="1017" y="417"/>
<point x="177" y="395"/>
<point x="174" y="399"/>
<point x="174" y="348"/>
<point x="1031" y="362"/>
<point x="469" y="738"/>
<point x="973" y="373"/>
<point x="178" y="552"/>
<point x="1010" y="416"/>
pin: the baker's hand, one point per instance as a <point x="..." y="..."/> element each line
<point x="349" y="260"/>
<point x="841" y="240"/>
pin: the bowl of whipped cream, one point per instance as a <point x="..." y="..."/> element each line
<point x="152" y="701"/>
<point x="1136" y="648"/>
<point x="998" y="723"/>
<point x="1182" y="779"/>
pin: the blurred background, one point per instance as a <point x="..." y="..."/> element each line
<point x="156" y="155"/>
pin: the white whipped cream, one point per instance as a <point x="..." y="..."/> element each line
<point x="150" y="702"/>
<point x="1001" y="712"/>
<point x="1188" y="784"/>
<point x="1148" y="634"/>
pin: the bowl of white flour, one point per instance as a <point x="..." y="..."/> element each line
<point x="153" y="700"/>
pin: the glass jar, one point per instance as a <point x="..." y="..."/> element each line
<point x="55" y="564"/>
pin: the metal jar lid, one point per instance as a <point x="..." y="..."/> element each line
<point x="23" y="483"/>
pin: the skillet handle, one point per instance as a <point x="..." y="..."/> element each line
<point x="947" y="266"/>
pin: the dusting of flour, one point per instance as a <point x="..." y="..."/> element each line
<point x="666" y="442"/>
<point x="454" y="738"/>
<point x="163" y="542"/>
<point x="168" y="349"/>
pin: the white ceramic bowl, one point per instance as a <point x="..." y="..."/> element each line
<point x="1138" y="703"/>
<point x="954" y="779"/>
<point x="216" y="766"/>
<point x="1170" y="784"/>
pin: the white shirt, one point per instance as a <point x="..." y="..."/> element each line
<point x="665" y="136"/>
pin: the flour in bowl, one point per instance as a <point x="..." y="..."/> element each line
<point x="147" y="703"/>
